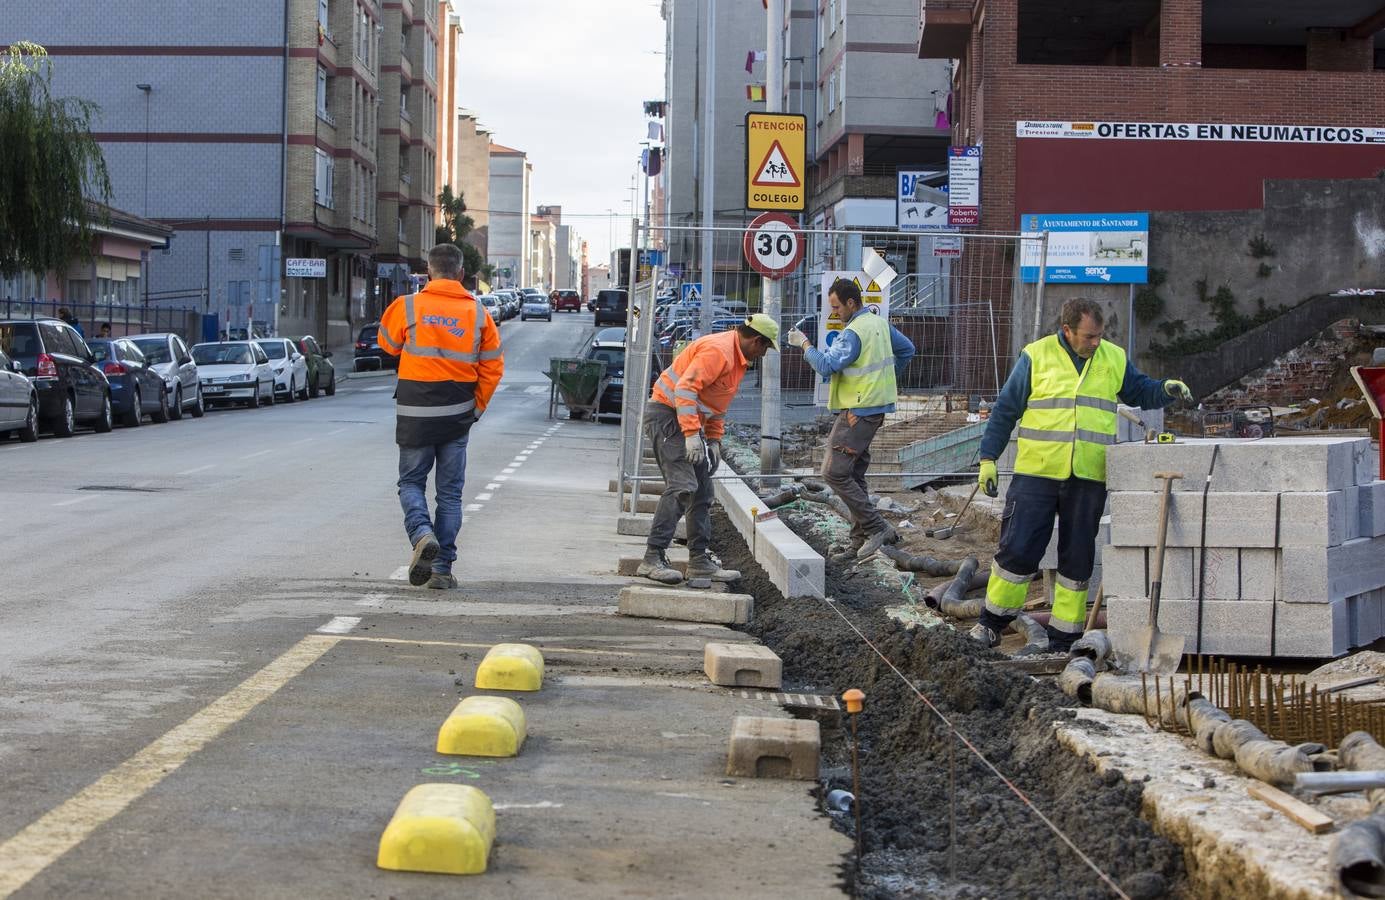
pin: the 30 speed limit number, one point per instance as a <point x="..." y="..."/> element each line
<point x="773" y="244"/>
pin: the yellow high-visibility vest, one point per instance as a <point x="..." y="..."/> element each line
<point x="1070" y="418"/>
<point x="869" y="380"/>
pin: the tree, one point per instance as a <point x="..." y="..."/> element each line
<point x="456" y="225"/>
<point x="50" y="168"/>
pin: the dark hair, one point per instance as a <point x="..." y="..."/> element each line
<point x="746" y="331"/>
<point x="445" y="261"/>
<point x="1078" y="307"/>
<point x="846" y="289"/>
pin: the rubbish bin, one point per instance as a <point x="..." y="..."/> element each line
<point x="579" y="384"/>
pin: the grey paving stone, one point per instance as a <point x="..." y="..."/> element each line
<point x="1259" y="573"/>
<point x="1235" y="627"/>
<point x="1371" y="510"/>
<point x="1269" y="464"/>
<point x="1312" y="629"/>
<point x="1237" y="519"/>
<point x="1123" y="571"/>
<point x="1325" y="574"/>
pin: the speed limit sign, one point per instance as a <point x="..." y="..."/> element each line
<point x="773" y="244"/>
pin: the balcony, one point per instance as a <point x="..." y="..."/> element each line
<point x="944" y="28"/>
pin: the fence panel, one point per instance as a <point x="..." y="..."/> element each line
<point x="123" y="319"/>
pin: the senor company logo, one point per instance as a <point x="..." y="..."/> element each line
<point x="1098" y="272"/>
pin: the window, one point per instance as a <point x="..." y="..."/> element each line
<point x="832" y="92"/>
<point x="822" y="28"/>
<point x="832" y="15"/>
<point x="322" y="184"/>
<point x="430" y="57"/>
<point x="324" y="16"/>
<point x="365" y="35"/>
<point x="401" y="228"/>
<point x="404" y="104"/>
<point x="324" y="89"/>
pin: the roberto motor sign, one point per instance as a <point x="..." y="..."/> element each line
<point x="1087" y="248"/>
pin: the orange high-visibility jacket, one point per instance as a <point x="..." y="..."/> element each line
<point x="449" y="362"/>
<point x="701" y="382"/>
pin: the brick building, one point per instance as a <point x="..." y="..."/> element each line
<point x="269" y="131"/>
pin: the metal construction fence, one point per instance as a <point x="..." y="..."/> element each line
<point x="123" y="319"/>
<point x="957" y="296"/>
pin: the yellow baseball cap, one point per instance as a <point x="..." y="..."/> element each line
<point x="767" y="327"/>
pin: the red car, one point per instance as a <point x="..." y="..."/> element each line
<point x="567" y="299"/>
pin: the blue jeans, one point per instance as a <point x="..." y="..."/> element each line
<point x="414" y="465"/>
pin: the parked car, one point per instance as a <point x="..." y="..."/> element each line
<point x="611" y="305"/>
<point x="18" y="401"/>
<point x="611" y="398"/>
<point x="511" y="302"/>
<point x="322" y="374"/>
<point x="234" y="372"/>
<point x="567" y="298"/>
<point x="492" y="304"/>
<point x="289" y="366"/>
<point x="71" y="388"/>
<point x="369" y="355"/>
<point x="609" y="337"/>
<point x="137" y="390"/>
<point x="168" y="355"/>
<point x="535" y="306"/>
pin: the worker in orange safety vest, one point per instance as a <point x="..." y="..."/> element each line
<point x="684" y="421"/>
<point x="449" y="365"/>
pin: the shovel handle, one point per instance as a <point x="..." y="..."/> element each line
<point x="1157" y="575"/>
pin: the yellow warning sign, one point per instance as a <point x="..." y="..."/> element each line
<point x="775" y="152"/>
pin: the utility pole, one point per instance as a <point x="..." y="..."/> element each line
<point x="770" y="288"/>
<point x="709" y="111"/>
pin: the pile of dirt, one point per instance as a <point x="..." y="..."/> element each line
<point x="1002" y="848"/>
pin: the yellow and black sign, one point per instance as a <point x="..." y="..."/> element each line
<point x="776" y="147"/>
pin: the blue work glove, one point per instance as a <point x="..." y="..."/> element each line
<point x="989" y="479"/>
<point x="1175" y="388"/>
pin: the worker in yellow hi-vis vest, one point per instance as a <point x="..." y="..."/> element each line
<point x="1063" y="393"/>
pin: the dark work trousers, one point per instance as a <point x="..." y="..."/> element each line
<point x="687" y="487"/>
<point x="1026" y="527"/>
<point x="844" y="469"/>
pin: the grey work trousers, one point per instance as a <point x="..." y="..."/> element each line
<point x="844" y="469"/>
<point x="687" y="487"/>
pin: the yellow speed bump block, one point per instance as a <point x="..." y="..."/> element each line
<point x="510" y="667"/>
<point x="483" y="726"/>
<point x="443" y="828"/>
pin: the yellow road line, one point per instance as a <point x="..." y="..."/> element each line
<point x="384" y="640"/>
<point x="43" y="841"/>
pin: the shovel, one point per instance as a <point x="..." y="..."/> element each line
<point x="1153" y="650"/>
<point x="944" y="533"/>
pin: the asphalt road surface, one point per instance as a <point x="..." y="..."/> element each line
<point x="215" y="680"/>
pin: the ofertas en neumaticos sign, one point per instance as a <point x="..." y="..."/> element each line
<point x="1087" y="248"/>
<point x="1202" y="131"/>
<point x="305" y="268"/>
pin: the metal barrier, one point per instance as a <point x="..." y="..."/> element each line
<point x="957" y="296"/>
<point x="123" y="319"/>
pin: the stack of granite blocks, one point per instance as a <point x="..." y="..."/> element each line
<point x="1292" y="563"/>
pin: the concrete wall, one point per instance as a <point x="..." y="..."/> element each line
<point x="473" y="168"/>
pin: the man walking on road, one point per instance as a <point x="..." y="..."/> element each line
<point x="684" y="421"/>
<point x="865" y="364"/>
<point x="1063" y="393"/>
<point x="449" y="365"/>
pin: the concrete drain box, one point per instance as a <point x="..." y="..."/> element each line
<point x="774" y="748"/>
<point x="742" y="665"/>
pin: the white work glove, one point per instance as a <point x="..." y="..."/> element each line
<point x="797" y="338"/>
<point x="714" y="448"/>
<point x="695" y="449"/>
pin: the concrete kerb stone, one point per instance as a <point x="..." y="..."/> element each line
<point x="792" y="566"/>
<point x="685" y="605"/>
<point x="774" y="748"/>
<point x="1239" y="627"/>
<point x="1245" y="466"/>
<point x="638" y="526"/>
<point x="742" y="665"/>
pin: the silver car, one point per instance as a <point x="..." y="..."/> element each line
<point x="18" y="401"/>
<point x="167" y="355"/>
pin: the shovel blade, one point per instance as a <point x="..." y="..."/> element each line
<point x="1155" y="651"/>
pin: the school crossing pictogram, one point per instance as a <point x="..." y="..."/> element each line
<point x="775" y="170"/>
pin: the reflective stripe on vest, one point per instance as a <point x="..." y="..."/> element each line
<point x="869" y="380"/>
<point x="1070" y="417"/>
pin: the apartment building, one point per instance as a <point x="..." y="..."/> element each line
<point x="272" y="133"/>
<point x="450" y="32"/>
<point x="507" y="240"/>
<point x="543" y="240"/>
<point x="472" y="179"/>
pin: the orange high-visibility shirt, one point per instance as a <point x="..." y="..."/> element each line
<point x="702" y="382"/>
<point x="449" y="361"/>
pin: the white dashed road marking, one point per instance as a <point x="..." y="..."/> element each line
<point x="196" y="470"/>
<point x="492" y="486"/>
<point x="256" y="453"/>
<point x="400" y="574"/>
<point x="484" y="497"/>
<point x="340" y="625"/>
<point x="473" y="507"/>
<point x="74" y="501"/>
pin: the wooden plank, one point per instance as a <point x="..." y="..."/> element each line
<point x="1310" y="818"/>
<point x="1354" y="683"/>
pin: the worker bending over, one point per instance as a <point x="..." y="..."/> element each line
<point x="684" y="421"/>
<point x="1063" y="392"/>
<point x="864" y="364"/>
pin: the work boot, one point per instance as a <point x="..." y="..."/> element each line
<point x="984" y="635"/>
<point x="655" y="566"/>
<point x="421" y="565"/>
<point x="442" y="581"/>
<point x="709" y="567"/>
<point x="874" y="542"/>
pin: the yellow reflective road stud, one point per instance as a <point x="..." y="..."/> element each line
<point x="442" y="828"/>
<point x="483" y="726"/>
<point x="510" y="667"/>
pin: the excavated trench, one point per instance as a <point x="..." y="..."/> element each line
<point x="1001" y="849"/>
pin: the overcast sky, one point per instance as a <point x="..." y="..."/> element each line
<point x="565" y="82"/>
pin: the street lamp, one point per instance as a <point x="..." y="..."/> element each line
<point x="147" y="89"/>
